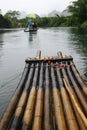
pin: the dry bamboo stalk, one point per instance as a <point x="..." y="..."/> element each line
<point x="78" y="91"/>
<point x="38" y="110"/>
<point x="83" y="85"/>
<point x="60" y="121"/>
<point x="60" y="54"/>
<point x="22" y="102"/>
<point x="80" y="95"/>
<point x="46" y="110"/>
<point x="12" y="105"/>
<point x="80" y="122"/>
<point x="69" y="114"/>
<point x="0" y="120"/>
<point x="47" y="107"/>
<point x="37" y="124"/>
<point x="27" y="119"/>
<point x="58" y="110"/>
<point x="38" y="55"/>
<point x="28" y="115"/>
<point x="76" y="104"/>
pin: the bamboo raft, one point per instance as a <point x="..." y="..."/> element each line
<point x="51" y="95"/>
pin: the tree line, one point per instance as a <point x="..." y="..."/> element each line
<point x="78" y="17"/>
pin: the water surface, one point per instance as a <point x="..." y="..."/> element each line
<point x="16" y="45"/>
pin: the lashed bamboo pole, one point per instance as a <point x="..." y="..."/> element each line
<point x="59" y="115"/>
<point x="38" y="55"/>
<point x="81" y="125"/>
<point x="78" y="91"/>
<point x="52" y="115"/>
<point x="69" y="114"/>
<point x="80" y="121"/>
<point x="60" y="54"/>
<point x="76" y="104"/>
<point x="57" y="94"/>
<point x="13" y="103"/>
<point x="22" y="102"/>
<point x="47" y="109"/>
<point x="37" y="123"/>
<point x="78" y="77"/>
<point x="28" y="115"/>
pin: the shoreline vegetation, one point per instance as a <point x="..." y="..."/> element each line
<point x="78" y="18"/>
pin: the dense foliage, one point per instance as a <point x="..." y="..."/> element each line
<point x="78" y="17"/>
<point x="4" y="23"/>
<point x="56" y="21"/>
<point x="79" y="11"/>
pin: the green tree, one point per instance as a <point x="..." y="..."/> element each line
<point x="4" y="23"/>
<point x="12" y="16"/>
<point x="79" y="10"/>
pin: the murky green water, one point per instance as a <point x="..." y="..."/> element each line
<point x="16" y="45"/>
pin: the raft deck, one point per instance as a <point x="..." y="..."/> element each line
<point x="51" y="95"/>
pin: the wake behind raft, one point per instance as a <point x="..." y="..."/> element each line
<point x="51" y="95"/>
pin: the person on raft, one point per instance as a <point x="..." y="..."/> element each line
<point x="34" y="25"/>
<point x="30" y="25"/>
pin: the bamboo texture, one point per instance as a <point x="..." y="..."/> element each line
<point x="51" y="95"/>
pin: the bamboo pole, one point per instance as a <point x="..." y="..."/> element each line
<point x="28" y="115"/>
<point x="47" y="108"/>
<point x="78" y="77"/>
<point x="37" y="123"/>
<point x="76" y="104"/>
<point x="78" y="91"/>
<point x="69" y="114"/>
<point x="59" y="115"/>
<point x="52" y="115"/>
<point x="38" y="110"/>
<point x="22" y="102"/>
<point x="38" y="55"/>
<point x="80" y="121"/>
<point x="13" y="102"/>
<point x="60" y="54"/>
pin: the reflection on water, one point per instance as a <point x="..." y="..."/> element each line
<point x="78" y="40"/>
<point x="31" y="36"/>
<point x="1" y="40"/>
<point x="1" y="45"/>
<point x="16" y="46"/>
<point x="80" y="36"/>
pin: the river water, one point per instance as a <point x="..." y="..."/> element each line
<point x="16" y="45"/>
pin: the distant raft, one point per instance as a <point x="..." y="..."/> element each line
<point x="51" y="95"/>
<point x="30" y="30"/>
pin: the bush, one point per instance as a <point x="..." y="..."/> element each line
<point x="84" y="24"/>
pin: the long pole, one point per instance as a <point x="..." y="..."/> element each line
<point x="58" y="108"/>
<point x="29" y="110"/>
<point x="47" y="107"/>
<point x="37" y="123"/>
<point x="22" y="102"/>
<point x="14" y="100"/>
<point x="82" y="120"/>
<point x="68" y="110"/>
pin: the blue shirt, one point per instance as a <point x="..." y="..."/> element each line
<point x="30" y="23"/>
